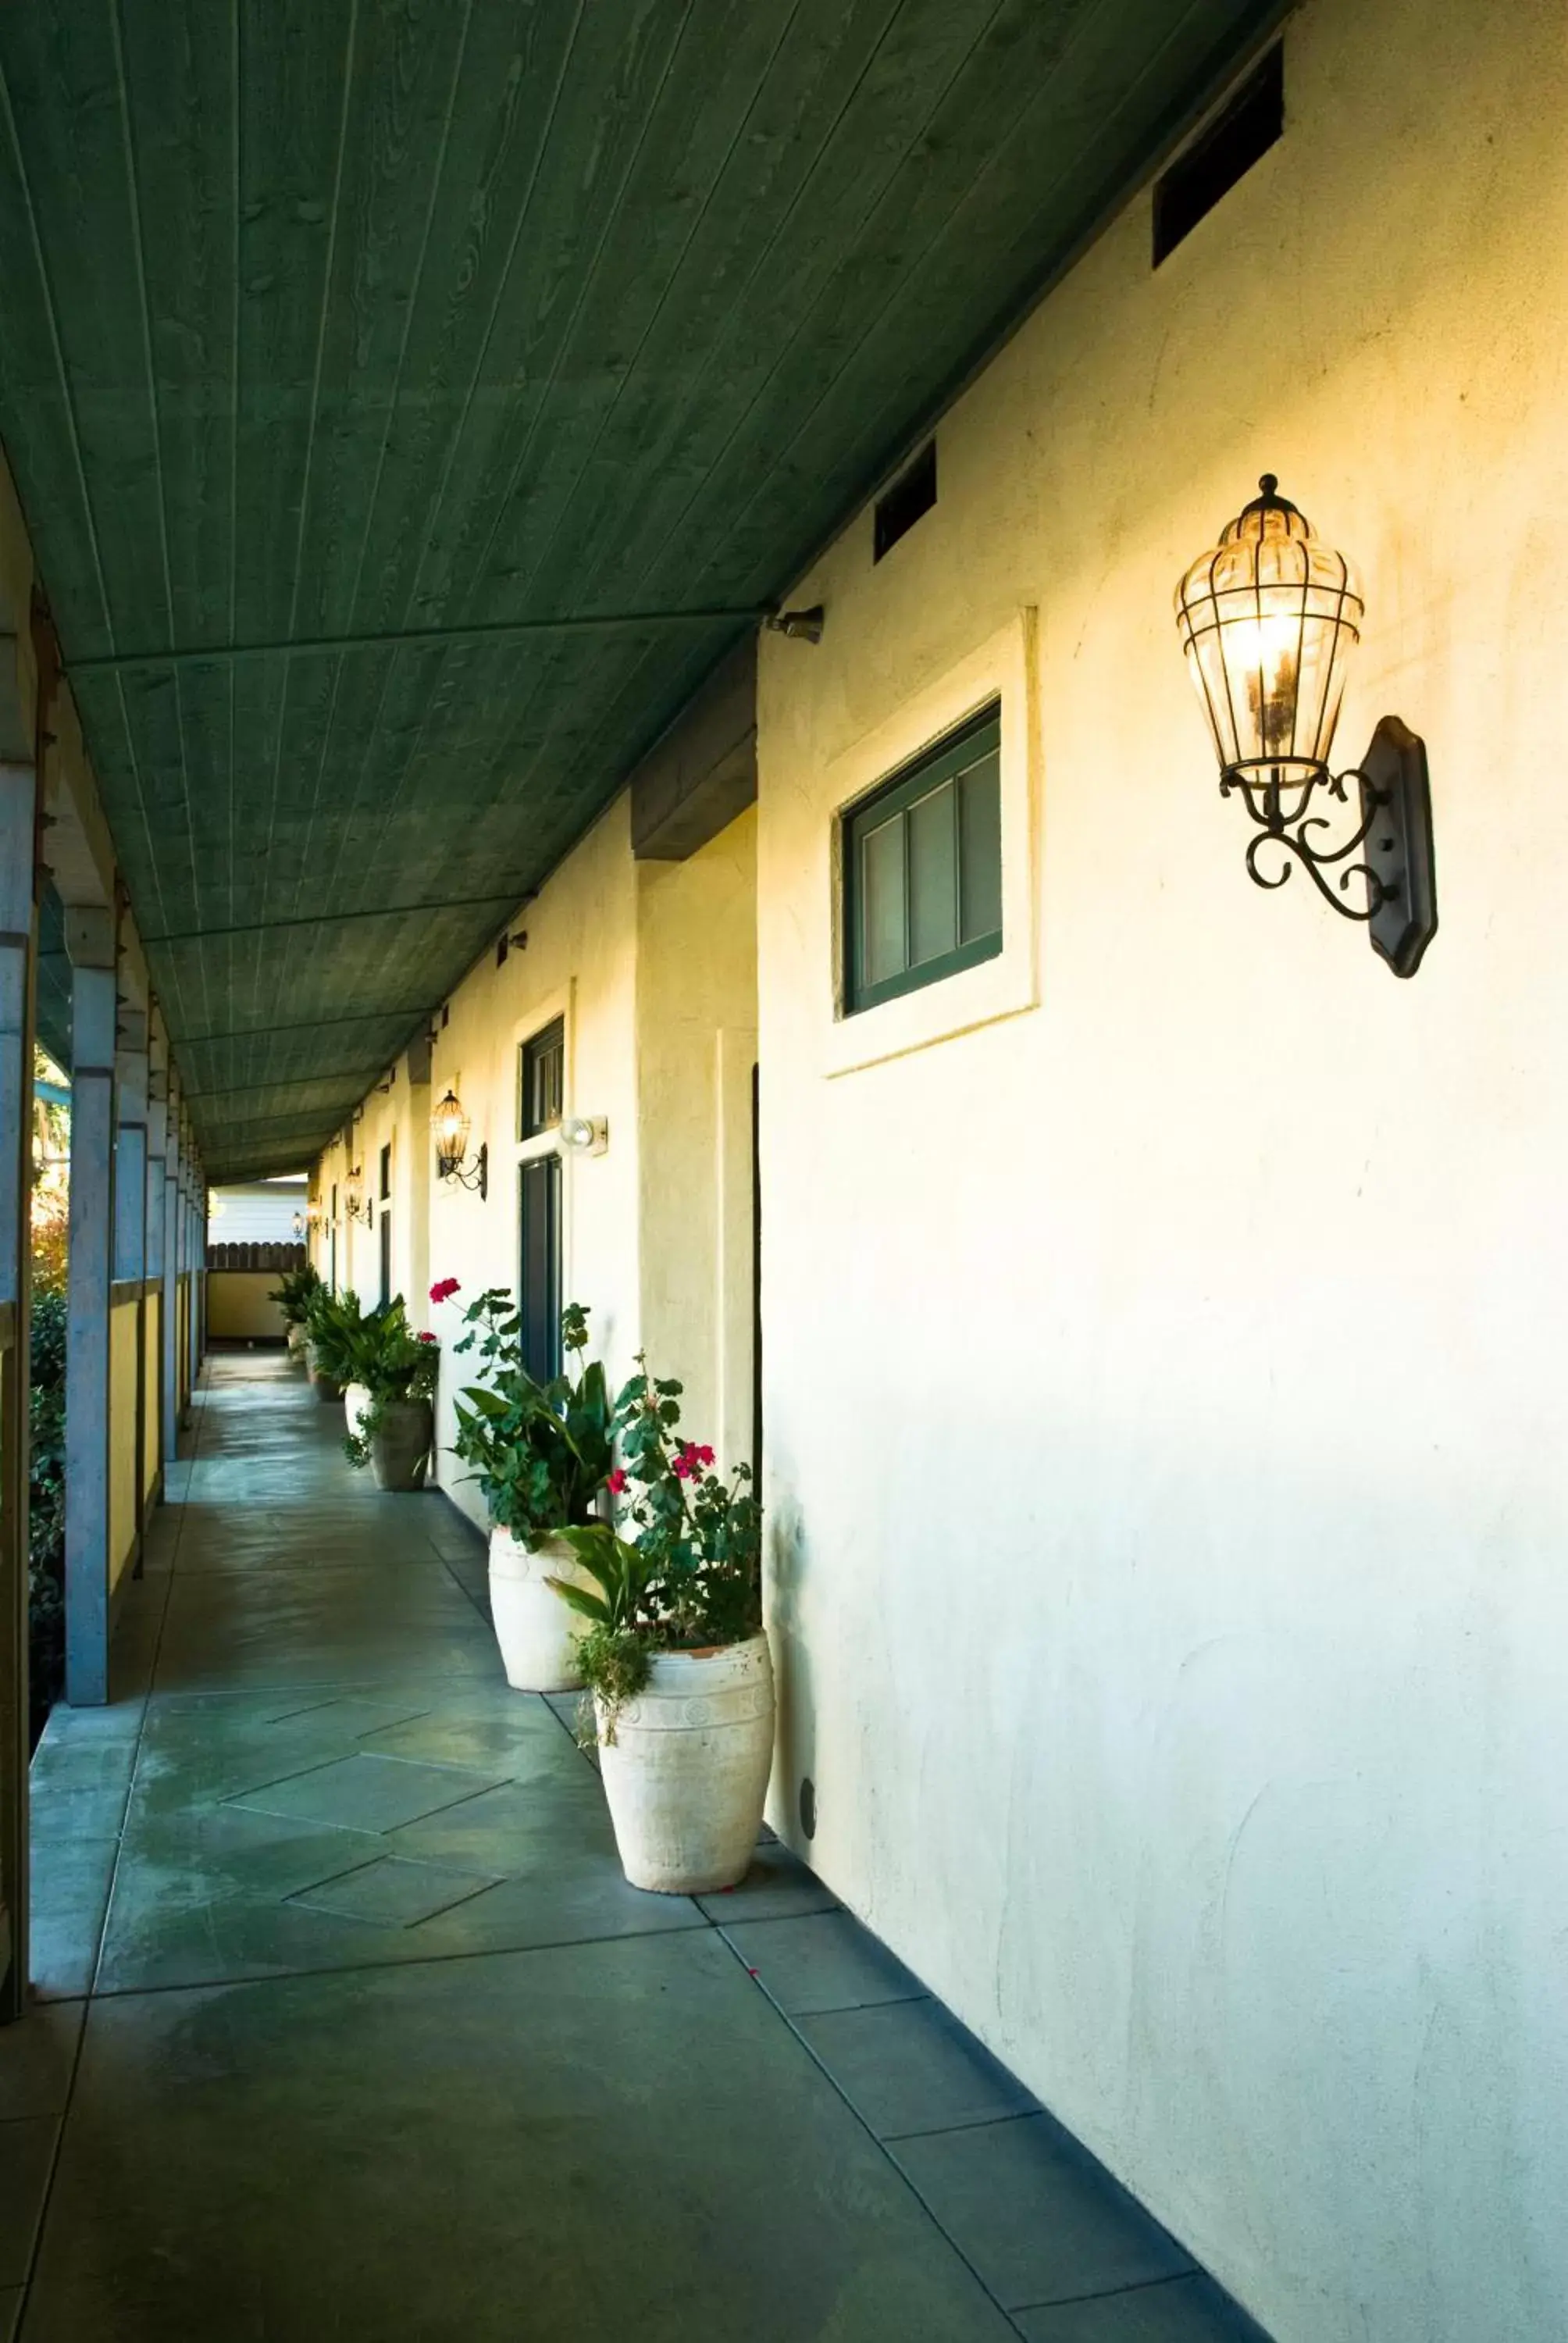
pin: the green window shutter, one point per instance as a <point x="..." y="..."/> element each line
<point x="922" y="869"/>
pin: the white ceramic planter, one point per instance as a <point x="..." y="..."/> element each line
<point x="295" y="1341"/>
<point x="538" y="1633"/>
<point x="356" y="1407"/>
<point x="686" y="1774"/>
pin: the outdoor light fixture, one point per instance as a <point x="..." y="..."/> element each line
<point x="585" y="1134"/>
<point x="1268" y="620"/>
<point x="358" y="1206"/>
<point x="801" y="626"/>
<point x="449" y="1126"/>
<point x="299" y="1224"/>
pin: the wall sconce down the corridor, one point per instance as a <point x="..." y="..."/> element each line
<point x="585" y="1134"/>
<point x="1268" y="620"/>
<point x="357" y="1204"/>
<point x="450" y="1128"/>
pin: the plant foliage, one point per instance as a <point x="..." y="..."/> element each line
<point x="294" y="1291"/>
<point x="393" y="1363"/>
<point x="540" y="1452"/>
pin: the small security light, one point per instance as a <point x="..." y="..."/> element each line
<point x="1268" y="620"/>
<point x="801" y="626"/>
<point x="585" y="1134"/>
<point x="449" y="1127"/>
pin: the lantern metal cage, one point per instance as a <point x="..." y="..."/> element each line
<point x="1268" y="619"/>
<point x="449" y="1127"/>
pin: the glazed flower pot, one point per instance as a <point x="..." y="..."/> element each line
<point x="538" y="1633"/>
<point x="400" y="1443"/>
<point x="356" y="1407"/>
<point x="295" y="1341"/>
<point x="686" y="1774"/>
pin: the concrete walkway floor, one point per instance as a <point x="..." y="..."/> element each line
<point x="350" y="2027"/>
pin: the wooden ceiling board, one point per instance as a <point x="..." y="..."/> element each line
<point x="370" y="319"/>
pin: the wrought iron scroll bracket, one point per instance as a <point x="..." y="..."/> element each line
<point x="1397" y="901"/>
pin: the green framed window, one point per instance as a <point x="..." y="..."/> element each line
<point x="541" y="1080"/>
<point x="922" y="869"/>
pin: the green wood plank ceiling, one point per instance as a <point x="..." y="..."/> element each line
<point x="330" y="324"/>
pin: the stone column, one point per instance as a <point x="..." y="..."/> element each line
<point x="18" y="953"/>
<point x="90" y="943"/>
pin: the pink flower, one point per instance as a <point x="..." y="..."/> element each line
<point x="705" y="1457"/>
<point x="616" y="1482"/>
<point x="684" y="1467"/>
<point x="444" y="1289"/>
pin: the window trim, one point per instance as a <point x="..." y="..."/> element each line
<point x="1005" y="666"/>
<point x="554" y="1029"/>
<point x="919" y="778"/>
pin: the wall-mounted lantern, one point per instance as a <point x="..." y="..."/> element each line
<point x="585" y="1134"/>
<point x="299" y="1226"/>
<point x="449" y="1127"/>
<point x="359" y="1206"/>
<point x="1268" y="620"/>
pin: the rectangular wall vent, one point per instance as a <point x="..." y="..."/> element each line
<point x="1220" y="156"/>
<point x="914" y="492"/>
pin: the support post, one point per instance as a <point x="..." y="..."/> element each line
<point x="18" y="954"/>
<point x="173" y="1255"/>
<point x="153" y="1266"/>
<point x="90" y="943"/>
<point x="131" y="1218"/>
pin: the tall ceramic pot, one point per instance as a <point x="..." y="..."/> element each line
<point x="538" y="1633"/>
<point x="400" y="1443"/>
<point x="356" y="1407"/>
<point x="687" y="1772"/>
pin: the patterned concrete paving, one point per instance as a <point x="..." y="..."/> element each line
<point x="349" y="2026"/>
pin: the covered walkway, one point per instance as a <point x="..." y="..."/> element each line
<point x="355" y="2029"/>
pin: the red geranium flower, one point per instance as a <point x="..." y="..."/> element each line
<point x="616" y="1482"/>
<point x="704" y="1455"/>
<point x="427" y="1338"/>
<point x="444" y="1289"/>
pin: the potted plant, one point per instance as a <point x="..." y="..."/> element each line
<point x="332" y="1323"/>
<point x="541" y="1454"/>
<point x="394" y="1428"/>
<point x="292" y="1294"/>
<point x="675" y="1657"/>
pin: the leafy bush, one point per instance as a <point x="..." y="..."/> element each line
<point x="46" y="1504"/>
<point x="541" y="1452"/>
<point x="691" y="1579"/>
<point x="392" y="1364"/>
<point x="294" y="1291"/>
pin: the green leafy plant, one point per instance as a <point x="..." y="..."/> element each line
<point x="294" y="1291"/>
<point x="391" y="1362"/>
<point x="336" y="1328"/>
<point x="690" y="1580"/>
<point x="540" y="1452"/>
<point x="46" y="1507"/>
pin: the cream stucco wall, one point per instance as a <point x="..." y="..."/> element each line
<point x="652" y="966"/>
<point x="1164" y="1425"/>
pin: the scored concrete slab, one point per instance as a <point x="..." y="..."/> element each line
<point x="26" y="2160"/>
<point x="620" y="2139"/>
<point x="363" y="1792"/>
<point x="1035" y="2214"/>
<point x="37" y="2060"/>
<point x="909" y="2066"/>
<point x="822" y="1960"/>
<point x="1181" y="2310"/>
<point x="393" y="1892"/>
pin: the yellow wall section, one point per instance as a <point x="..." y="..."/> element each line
<point x="152" y="1431"/>
<point x="1163" y="1398"/>
<point x="238" y="1309"/>
<point x="123" y="1458"/>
